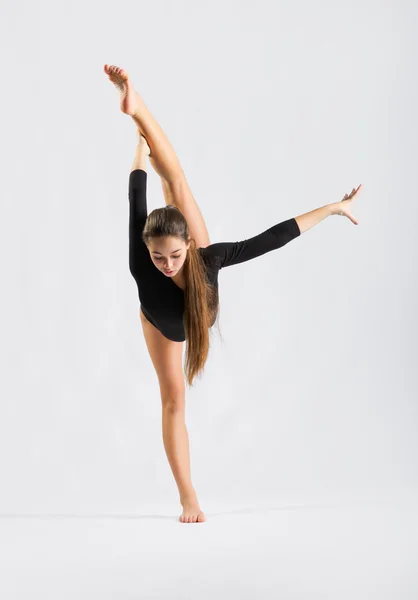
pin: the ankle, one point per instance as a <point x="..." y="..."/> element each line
<point x="188" y="494"/>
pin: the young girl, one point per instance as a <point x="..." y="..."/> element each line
<point x="176" y="270"/>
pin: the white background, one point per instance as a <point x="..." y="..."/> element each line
<point x="274" y="109"/>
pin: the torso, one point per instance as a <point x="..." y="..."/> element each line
<point x="163" y="301"/>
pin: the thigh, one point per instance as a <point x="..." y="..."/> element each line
<point x="167" y="358"/>
<point x="178" y="192"/>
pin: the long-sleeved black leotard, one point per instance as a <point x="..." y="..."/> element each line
<point x="162" y="300"/>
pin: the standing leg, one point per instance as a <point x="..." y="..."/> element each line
<point x="162" y="157"/>
<point x="166" y="357"/>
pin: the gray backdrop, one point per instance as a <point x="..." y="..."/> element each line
<point x="274" y="109"/>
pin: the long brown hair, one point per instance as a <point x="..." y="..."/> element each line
<point x="201" y="300"/>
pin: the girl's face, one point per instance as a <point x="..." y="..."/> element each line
<point x="168" y="254"/>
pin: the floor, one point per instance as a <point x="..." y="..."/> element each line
<point x="294" y="552"/>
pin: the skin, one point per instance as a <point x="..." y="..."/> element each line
<point x="166" y="355"/>
<point x="169" y="253"/>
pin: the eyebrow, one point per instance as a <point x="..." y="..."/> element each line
<point x="155" y="252"/>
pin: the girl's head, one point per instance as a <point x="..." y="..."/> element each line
<point x="167" y="237"/>
<point x="168" y="253"/>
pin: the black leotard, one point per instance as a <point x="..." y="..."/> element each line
<point x="162" y="300"/>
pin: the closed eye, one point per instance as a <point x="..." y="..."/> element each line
<point x="160" y="257"/>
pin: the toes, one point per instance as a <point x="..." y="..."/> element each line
<point x="116" y="72"/>
<point x="109" y="69"/>
<point x="192" y="518"/>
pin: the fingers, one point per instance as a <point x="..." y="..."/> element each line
<point x="352" y="193"/>
<point x="354" y="190"/>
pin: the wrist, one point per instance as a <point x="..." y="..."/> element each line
<point x="142" y="148"/>
<point x="332" y="208"/>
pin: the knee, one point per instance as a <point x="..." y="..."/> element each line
<point x="173" y="396"/>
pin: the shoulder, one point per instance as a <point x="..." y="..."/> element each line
<point x="209" y="257"/>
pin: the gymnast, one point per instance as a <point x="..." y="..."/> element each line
<point x="176" y="271"/>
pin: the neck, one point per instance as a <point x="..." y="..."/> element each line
<point x="179" y="278"/>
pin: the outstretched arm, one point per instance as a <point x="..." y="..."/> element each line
<point x="232" y="253"/>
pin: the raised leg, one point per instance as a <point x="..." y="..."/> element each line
<point x="162" y="157"/>
<point x="179" y="194"/>
<point x="164" y="160"/>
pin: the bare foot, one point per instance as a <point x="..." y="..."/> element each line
<point x="191" y="511"/>
<point x="128" y="99"/>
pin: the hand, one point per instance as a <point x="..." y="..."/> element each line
<point x="343" y="207"/>
<point x="143" y="142"/>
